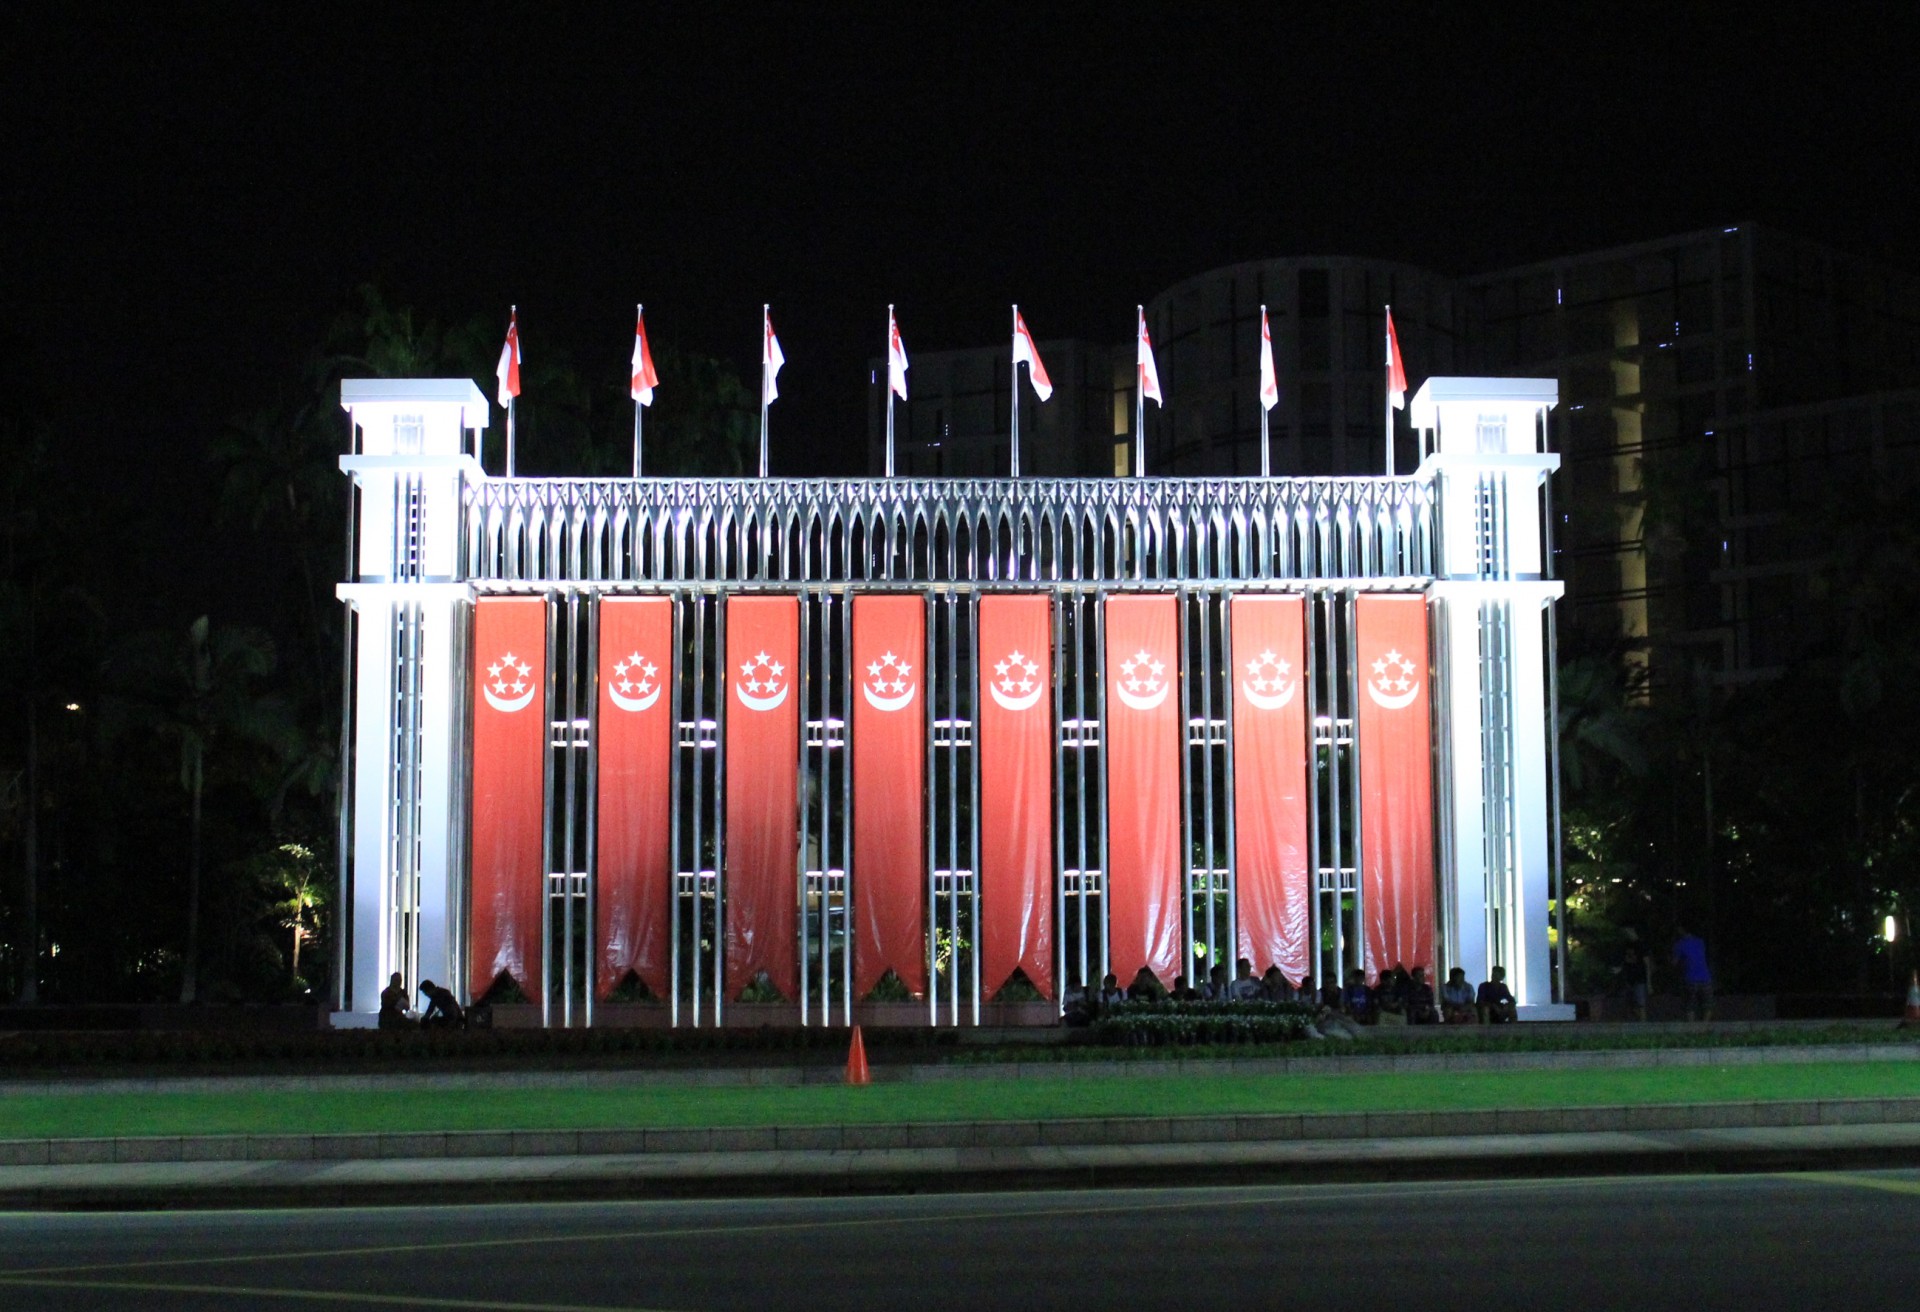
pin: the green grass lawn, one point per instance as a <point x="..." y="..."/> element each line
<point x="91" y="1115"/>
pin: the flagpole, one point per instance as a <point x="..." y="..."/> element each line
<point x="1266" y="457"/>
<point x="513" y="320"/>
<point x="766" y="322"/>
<point x="639" y="316"/>
<point x="888" y="392"/>
<point x="1014" y="392"/>
<point x="1139" y="396"/>
<point x="1387" y="333"/>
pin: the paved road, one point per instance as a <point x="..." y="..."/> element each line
<point x="1694" y="1243"/>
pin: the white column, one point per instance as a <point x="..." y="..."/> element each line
<point x="372" y="809"/>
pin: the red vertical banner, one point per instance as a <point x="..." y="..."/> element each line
<point x="509" y="792"/>
<point x="1015" y="724"/>
<point x="1273" y="886"/>
<point x="1396" y="781"/>
<point x="889" y="791"/>
<point x="634" y="771"/>
<point x="763" y="792"/>
<point x="1144" y="869"/>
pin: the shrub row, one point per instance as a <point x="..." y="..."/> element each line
<point x="1188" y="1024"/>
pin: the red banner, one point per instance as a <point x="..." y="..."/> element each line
<point x="889" y="792"/>
<point x="1270" y="745"/>
<point x="631" y="815"/>
<point x="1144" y="869"/>
<point x="1396" y="781"/>
<point x="1016" y="790"/>
<point x="763" y="792"/>
<point x="509" y="791"/>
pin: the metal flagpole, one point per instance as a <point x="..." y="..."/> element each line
<point x="1387" y="332"/>
<point x="1139" y="397"/>
<point x="1014" y="392"/>
<point x="766" y="329"/>
<point x="513" y="318"/>
<point x="638" y="317"/>
<point x="888" y="392"/>
<point x="1266" y="456"/>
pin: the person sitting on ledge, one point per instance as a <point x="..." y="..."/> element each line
<point x="1145" y="987"/>
<point x="1390" y="996"/>
<point x="1420" y="1005"/>
<point x="1274" y="986"/>
<point x="393" y="1004"/>
<point x="1111" y="994"/>
<point x="1217" y="986"/>
<point x="1245" y="988"/>
<point x="1358" y="1000"/>
<point x="1495" y="1000"/>
<point x="1183" y="991"/>
<point x="1456" y="999"/>
<point x="443" y="1009"/>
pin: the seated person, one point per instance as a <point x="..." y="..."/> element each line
<point x="1217" y="987"/>
<point x="1245" y="988"/>
<point x="1357" y="1001"/>
<point x="1111" y="994"/>
<point x="1274" y="986"/>
<point x="1495" y="1000"/>
<point x="1420" y="1005"/>
<point x="443" y="1009"/>
<point x="1183" y="991"/>
<point x="1390" y="997"/>
<point x="393" y="1004"/>
<point x="1456" y="999"/>
<point x="1145" y="988"/>
<point x="1079" y="1006"/>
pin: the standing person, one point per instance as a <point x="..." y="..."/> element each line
<point x="1690" y="954"/>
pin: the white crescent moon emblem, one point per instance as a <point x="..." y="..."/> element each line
<point x="1271" y="701"/>
<point x="1147" y="703"/>
<point x="633" y="703"/>
<point x="1394" y="701"/>
<point x="753" y="703"/>
<point x="508" y="704"/>
<point x="1024" y="702"/>
<point x="888" y="703"/>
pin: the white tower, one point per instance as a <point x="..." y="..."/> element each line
<point x="407" y="625"/>
<point x="1486" y="452"/>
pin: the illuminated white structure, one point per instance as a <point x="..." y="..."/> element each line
<point x="435" y="538"/>
<point x="1485" y="444"/>
<point x="407" y="608"/>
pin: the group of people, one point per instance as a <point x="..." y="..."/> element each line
<point x="442" y="1012"/>
<point x="1399" y="996"/>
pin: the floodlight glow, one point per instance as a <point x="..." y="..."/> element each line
<point x="1890" y="926"/>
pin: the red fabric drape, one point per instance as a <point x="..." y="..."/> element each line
<point x="631" y="811"/>
<point x="1396" y="781"/>
<point x="889" y="791"/>
<point x="509" y="791"/>
<point x="763" y="792"/>
<point x="1016" y="790"/>
<point x="1270" y="743"/>
<point x="1144" y="869"/>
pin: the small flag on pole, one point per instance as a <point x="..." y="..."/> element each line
<point x="896" y="358"/>
<point x="508" y="370"/>
<point x="1025" y="350"/>
<point x="644" y="377"/>
<point x="770" y="361"/>
<point x="1396" y="368"/>
<point x="1269" y="381"/>
<point x="1149" y="372"/>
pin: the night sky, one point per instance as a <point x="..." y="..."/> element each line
<point x="193" y="193"/>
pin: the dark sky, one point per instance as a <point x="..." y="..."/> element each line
<point x="194" y="192"/>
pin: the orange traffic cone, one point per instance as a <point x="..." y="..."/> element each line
<point x="857" y="1061"/>
<point x="1913" y="1001"/>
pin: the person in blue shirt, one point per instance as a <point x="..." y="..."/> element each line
<point x="1690" y="954"/>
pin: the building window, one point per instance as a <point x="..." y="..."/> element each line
<point x="1490" y="434"/>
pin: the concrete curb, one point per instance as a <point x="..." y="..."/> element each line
<point x="1360" y="1063"/>
<point x="801" y="1172"/>
<point x="1094" y="1132"/>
